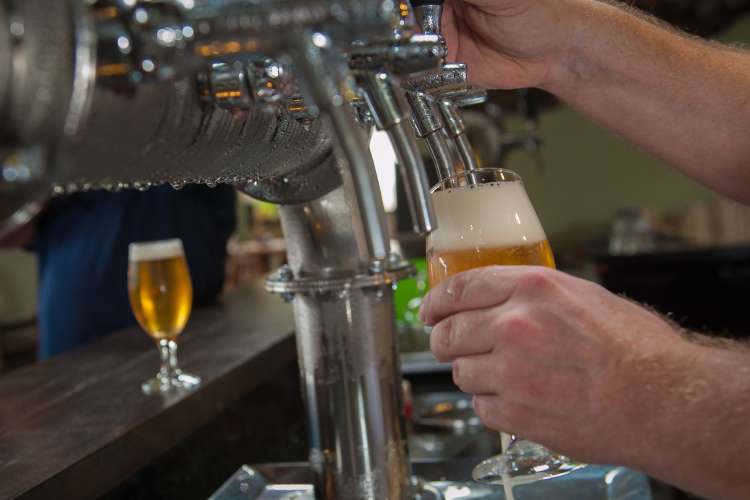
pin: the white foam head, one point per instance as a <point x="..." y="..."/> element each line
<point x="487" y="215"/>
<point x="156" y="250"/>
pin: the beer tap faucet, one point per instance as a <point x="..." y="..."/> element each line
<point x="375" y="66"/>
<point x="437" y="97"/>
<point x="430" y="127"/>
<point x="455" y="126"/>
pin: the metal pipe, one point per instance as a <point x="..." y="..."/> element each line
<point x="441" y="153"/>
<point x="390" y="114"/>
<point x="347" y="353"/>
<point x="466" y="152"/>
<point x="414" y="176"/>
<point x="321" y="78"/>
<point x="456" y="128"/>
<point x="429" y="126"/>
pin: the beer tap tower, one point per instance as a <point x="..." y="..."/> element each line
<point x="268" y="96"/>
<point x="342" y="298"/>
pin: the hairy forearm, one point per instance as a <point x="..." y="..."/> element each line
<point x="685" y="100"/>
<point x="692" y="427"/>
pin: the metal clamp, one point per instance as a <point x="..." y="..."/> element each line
<point x="284" y="283"/>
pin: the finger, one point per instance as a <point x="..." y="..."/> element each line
<point x="479" y="375"/>
<point x="476" y="289"/>
<point x="463" y="334"/>
<point x="519" y="381"/>
<point x="488" y="287"/>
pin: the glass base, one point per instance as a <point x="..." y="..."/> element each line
<point x="525" y="462"/>
<point x="175" y="381"/>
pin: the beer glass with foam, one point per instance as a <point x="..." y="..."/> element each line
<point x="485" y="218"/>
<point x="161" y="297"/>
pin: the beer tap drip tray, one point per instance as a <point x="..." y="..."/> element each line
<point x="444" y="479"/>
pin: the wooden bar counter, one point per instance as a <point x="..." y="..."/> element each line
<point x="78" y="425"/>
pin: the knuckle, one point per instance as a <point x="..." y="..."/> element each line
<point x="519" y="322"/>
<point x="515" y="325"/>
<point x="538" y="279"/>
<point x="441" y="339"/>
<point x="458" y="287"/>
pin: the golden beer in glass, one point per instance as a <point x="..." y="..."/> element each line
<point x="485" y="218"/>
<point x="161" y="297"/>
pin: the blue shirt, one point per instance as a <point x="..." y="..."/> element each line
<point x="82" y="244"/>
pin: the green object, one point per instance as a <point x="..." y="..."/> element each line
<point x="266" y="210"/>
<point x="408" y="296"/>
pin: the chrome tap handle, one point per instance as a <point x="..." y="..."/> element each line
<point x="422" y="90"/>
<point x="449" y="87"/>
<point x="428" y="14"/>
<point x="456" y="129"/>
<point x="374" y="65"/>
<point x="429" y="126"/>
<point x="325" y="84"/>
<point x="390" y="114"/>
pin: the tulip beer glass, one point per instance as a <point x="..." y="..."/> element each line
<point x="485" y="218"/>
<point x="161" y="296"/>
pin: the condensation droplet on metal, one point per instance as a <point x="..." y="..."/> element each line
<point x="177" y="185"/>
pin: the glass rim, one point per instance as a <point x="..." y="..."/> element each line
<point x="444" y="183"/>
<point x="155" y="250"/>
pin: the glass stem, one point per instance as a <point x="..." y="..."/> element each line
<point x="168" y="352"/>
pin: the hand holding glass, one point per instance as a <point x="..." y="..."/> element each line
<point x="161" y="296"/>
<point x="485" y="218"/>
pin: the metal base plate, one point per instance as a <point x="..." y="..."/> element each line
<point x="590" y="483"/>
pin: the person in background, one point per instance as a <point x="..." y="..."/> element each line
<point x="559" y="360"/>
<point x="82" y="245"/>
